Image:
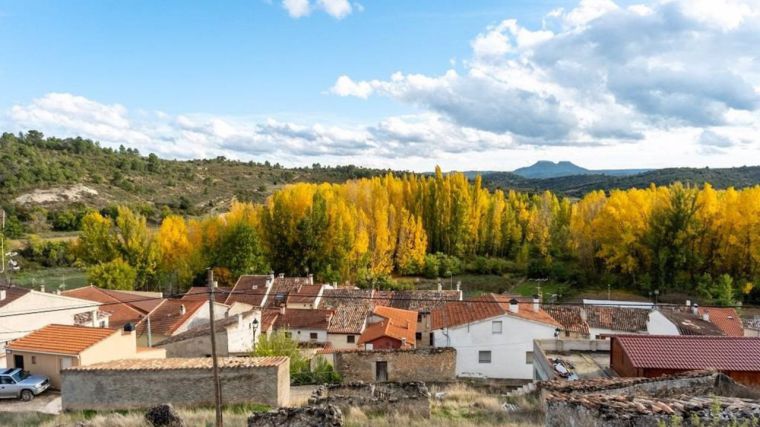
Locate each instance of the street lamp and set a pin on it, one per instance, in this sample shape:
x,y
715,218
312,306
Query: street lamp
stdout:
x,y
255,326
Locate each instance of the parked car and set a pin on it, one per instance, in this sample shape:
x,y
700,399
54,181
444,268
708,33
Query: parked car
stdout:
x,y
16,383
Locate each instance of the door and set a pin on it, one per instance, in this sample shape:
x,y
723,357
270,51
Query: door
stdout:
x,y
381,371
7,387
18,361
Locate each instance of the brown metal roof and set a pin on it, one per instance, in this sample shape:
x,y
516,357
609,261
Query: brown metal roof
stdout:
x,y
691,352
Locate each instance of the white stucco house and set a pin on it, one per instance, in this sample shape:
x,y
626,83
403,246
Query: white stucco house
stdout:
x,y
26,310
302,325
493,335
235,336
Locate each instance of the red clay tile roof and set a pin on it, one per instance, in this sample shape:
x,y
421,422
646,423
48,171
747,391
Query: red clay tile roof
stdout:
x,y
167,317
349,318
12,293
688,323
302,318
61,339
397,324
306,294
268,317
569,317
200,293
463,312
691,352
485,307
282,287
120,314
249,289
526,311
617,318
725,318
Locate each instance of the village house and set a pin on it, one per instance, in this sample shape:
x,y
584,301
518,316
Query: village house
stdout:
x,y
235,336
56,347
655,355
305,326
389,328
493,335
270,291
680,320
155,318
26,310
597,321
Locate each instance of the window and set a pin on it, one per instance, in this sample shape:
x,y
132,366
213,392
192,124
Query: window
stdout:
x,y
350,339
418,336
528,357
484,357
34,360
432,342
312,335
496,327
288,334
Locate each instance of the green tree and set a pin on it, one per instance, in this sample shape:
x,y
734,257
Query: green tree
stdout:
x,y
279,344
115,274
239,250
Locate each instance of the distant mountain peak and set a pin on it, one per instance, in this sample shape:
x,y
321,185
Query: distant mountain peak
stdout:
x,y
550,169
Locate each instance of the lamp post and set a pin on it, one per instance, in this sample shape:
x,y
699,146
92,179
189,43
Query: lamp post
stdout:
x,y
255,325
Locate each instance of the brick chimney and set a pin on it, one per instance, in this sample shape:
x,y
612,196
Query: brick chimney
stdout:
x,y
514,305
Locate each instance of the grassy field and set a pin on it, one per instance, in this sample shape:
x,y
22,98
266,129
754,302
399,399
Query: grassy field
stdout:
x,y
52,278
461,406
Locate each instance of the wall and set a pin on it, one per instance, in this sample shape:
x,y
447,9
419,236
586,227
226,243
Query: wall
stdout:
x,y
544,370
197,346
240,335
130,389
508,349
426,365
33,301
45,364
660,325
302,335
338,341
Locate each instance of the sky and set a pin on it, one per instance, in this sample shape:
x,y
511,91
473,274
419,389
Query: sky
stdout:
x,y
403,84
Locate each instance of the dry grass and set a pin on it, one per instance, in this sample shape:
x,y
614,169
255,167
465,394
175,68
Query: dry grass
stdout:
x,y
192,417
461,406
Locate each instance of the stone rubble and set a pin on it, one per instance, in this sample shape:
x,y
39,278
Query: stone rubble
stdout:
x,y
327,416
164,416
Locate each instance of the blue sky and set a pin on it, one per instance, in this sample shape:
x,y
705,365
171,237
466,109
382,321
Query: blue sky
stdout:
x,y
392,83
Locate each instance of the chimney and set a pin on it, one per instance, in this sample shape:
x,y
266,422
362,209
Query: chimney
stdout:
x,y
94,318
57,291
514,305
440,286
688,303
42,288
182,310
695,309
281,275
706,316
3,294
536,303
282,310
311,278
459,285
584,315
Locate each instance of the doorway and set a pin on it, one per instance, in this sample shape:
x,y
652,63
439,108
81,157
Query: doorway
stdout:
x,y
381,371
18,361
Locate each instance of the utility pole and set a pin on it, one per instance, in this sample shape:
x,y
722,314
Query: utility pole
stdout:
x,y
215,366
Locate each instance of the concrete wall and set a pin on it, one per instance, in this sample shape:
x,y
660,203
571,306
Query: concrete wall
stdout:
x,y
130,389
197,346
339,341
660,325
508,349
426,365
119,345
34,301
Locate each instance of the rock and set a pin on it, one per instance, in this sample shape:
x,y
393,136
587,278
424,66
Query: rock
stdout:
x,y
328,416
164,416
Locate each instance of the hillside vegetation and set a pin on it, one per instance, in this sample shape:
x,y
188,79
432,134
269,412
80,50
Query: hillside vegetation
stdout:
x,y
49,182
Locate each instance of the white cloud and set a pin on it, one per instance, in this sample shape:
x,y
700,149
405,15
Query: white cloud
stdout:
x,y
597,75
297,8
338,9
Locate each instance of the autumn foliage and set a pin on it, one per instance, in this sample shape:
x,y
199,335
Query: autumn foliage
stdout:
x,y
658,237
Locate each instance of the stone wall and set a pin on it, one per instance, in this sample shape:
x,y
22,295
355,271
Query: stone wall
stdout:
x,y
129,389
424,364
404,398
